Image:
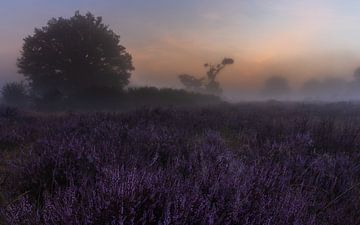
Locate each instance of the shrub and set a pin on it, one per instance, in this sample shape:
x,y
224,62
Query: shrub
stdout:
x,y
15,94
245,164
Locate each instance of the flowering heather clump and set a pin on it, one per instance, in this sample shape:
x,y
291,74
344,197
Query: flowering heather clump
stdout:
x,y
252,164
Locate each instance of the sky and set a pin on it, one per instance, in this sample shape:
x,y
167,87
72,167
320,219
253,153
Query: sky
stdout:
x,y
296,39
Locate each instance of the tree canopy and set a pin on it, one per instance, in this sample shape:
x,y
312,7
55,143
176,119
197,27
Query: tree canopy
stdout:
x,y
72,54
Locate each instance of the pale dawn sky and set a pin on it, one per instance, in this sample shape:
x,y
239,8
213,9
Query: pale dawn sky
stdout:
x,y
297,39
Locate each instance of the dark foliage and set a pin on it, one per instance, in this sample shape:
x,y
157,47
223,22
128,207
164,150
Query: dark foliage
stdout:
x,y
73,54
112,98
108,99
96,98
50,100
15,94
191,83
151,96
269,163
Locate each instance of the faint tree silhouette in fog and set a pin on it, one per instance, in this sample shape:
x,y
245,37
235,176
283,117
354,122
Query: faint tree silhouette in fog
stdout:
x,y
357,74
213,70
208,84
15,94
276,86
334,84
330,88
213,87
334,88
191,83
72,54
355,84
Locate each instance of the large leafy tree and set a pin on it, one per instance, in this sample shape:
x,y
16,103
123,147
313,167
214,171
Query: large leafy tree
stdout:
x,y
73,54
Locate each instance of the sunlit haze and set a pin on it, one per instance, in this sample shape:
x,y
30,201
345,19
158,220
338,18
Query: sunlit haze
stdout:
x,y
296,39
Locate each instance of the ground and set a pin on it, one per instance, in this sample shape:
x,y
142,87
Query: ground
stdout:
x,y
250,163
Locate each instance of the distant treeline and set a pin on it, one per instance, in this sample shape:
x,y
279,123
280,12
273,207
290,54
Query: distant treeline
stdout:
x,y
328,89
105,98
114,99
78,63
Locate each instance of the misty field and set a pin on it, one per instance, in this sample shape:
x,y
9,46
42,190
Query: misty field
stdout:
x,y
255,163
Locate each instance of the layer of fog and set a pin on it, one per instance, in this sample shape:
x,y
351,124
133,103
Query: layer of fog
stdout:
x,y
277,87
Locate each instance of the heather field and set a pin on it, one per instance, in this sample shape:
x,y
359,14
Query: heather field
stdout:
x,y
248,164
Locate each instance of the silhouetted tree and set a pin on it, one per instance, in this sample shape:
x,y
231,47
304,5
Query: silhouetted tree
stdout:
x,y
209,84
73,54
15,94
354,85
190,82
213,70
213,87
276,86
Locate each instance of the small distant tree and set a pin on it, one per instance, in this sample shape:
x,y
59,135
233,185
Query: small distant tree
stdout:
x,y
213,70
69,55
357,74
15,94
213,87
312,88
208,83
190,82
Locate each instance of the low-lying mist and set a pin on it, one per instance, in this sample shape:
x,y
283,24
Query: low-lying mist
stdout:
x,y
278,88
